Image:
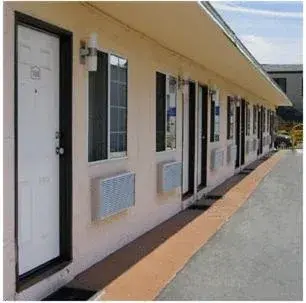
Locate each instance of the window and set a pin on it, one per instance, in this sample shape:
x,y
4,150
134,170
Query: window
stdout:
x,y
166,94
254,119
118,106
230,117
282,83
264,127
214,117
248,120
107,108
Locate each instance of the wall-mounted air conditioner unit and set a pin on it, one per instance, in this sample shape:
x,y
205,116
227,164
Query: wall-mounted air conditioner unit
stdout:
x,y
169,176
254,144
231,153
112,195
217,156
269,139
247,147
266,140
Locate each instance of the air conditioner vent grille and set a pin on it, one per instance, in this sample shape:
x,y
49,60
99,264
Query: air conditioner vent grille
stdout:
x,y
114,194
170,176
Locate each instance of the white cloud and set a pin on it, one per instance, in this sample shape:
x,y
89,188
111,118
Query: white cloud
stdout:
x,y
235,8
275,50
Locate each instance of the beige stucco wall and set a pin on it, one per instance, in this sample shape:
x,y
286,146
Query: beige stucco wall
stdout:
x,y
93,241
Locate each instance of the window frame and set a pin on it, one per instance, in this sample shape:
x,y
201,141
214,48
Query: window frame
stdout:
x,y
111,156
230,115
248,119
264,119
213,115
123,154
255,117
269,120
167,76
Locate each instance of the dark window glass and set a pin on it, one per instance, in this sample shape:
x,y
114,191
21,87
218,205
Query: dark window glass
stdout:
x,y
254,119
214,116
212,121
263,119
248,120
160,111
228,117
98,110
282,83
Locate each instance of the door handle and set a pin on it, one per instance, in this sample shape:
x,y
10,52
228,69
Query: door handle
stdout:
x,y
59,151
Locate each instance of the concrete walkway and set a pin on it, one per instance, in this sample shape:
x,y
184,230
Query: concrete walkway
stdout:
x,y
257,255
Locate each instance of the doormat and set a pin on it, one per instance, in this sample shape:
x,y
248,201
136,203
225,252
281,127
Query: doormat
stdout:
x,y
244,172
213,197
199,207
70,294
248,169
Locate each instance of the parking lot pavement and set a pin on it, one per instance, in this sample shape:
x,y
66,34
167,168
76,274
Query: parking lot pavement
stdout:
x,y
257,254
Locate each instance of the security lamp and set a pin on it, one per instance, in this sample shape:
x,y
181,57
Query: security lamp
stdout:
x,y
88,53
237,101
172,81
181,82
213,89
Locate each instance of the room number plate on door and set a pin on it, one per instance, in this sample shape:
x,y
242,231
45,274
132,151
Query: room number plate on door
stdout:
x,y
35,72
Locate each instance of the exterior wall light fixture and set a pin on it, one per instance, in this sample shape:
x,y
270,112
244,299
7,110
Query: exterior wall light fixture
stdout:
x,y
182,82
88,53
212,89
237,99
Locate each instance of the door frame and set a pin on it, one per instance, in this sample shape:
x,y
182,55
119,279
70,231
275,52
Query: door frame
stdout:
x,y
238,134
271,128
191,131
65,162
258,129
203,126
243,131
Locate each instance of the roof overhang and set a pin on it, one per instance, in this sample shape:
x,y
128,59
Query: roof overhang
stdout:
x,y
194,30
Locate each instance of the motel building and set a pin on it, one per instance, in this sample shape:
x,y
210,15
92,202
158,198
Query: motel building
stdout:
x,y
117,116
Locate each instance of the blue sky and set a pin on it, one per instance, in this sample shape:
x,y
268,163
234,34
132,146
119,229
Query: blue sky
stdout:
x,y
271,30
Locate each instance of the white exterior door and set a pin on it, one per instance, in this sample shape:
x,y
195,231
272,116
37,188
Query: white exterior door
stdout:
x,y
38,163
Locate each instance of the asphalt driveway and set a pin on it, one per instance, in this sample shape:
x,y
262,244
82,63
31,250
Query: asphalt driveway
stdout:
x,y
257,255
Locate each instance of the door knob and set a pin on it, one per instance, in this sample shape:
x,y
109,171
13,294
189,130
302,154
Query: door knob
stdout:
x,y
59,150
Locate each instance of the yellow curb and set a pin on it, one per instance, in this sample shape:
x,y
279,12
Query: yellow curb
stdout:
x,y
145,280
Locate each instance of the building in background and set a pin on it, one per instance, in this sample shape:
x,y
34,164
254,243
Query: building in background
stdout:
x,y
289,78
